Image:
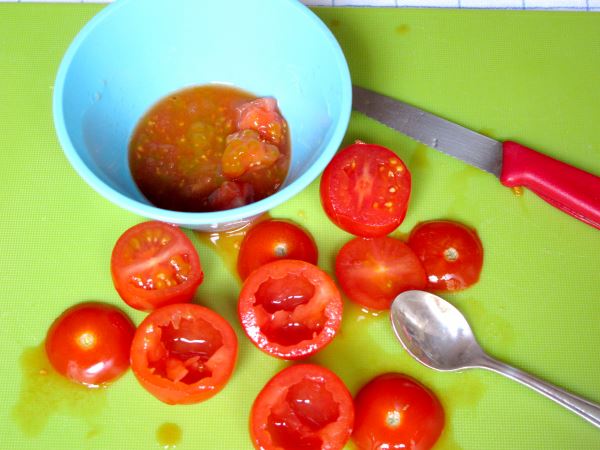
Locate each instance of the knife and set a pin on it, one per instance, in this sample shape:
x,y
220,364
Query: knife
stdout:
x,y
569,189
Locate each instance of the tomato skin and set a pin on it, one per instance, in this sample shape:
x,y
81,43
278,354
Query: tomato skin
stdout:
x,y
89,343
365,190
312,405
290,309
373,271
160,349
451,253
394,411
145,253
271,240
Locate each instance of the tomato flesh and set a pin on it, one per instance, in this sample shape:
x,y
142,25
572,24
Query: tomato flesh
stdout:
x,y
365,190
183,353
89,343
262,116
271,240
451,253
373,271
154,264
246,152
303,407
394,411
290,308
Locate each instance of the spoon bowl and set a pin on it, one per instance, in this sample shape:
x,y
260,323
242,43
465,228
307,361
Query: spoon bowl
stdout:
x,y
436,334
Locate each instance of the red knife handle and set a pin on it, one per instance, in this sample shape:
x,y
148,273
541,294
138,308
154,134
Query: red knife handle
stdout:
x,y
567,188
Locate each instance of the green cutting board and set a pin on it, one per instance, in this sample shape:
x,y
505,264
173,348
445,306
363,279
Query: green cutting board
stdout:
x,y
528,76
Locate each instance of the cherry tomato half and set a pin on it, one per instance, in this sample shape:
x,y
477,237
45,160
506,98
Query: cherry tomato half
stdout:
x,y
303,407
395,411
290,309
155,264
373,271
451,253
365,190
271,240
183,353
89,343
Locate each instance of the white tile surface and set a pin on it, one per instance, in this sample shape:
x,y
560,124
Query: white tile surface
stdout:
x,y
589,5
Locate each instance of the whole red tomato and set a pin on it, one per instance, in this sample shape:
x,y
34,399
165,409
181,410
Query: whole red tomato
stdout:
x,y
89,343
271,240
451,253
394,411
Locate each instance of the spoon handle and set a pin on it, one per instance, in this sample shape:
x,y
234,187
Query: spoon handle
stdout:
x,y
588,410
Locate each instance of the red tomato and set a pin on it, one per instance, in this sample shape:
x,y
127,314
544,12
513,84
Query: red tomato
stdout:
x,y
303,407
231,194
451,253
373,271
155,264
183,353
271,240
365,190
262,115
89,343
290,309
395,411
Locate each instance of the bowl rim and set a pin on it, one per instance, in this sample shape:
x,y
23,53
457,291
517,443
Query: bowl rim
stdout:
x,y
201,218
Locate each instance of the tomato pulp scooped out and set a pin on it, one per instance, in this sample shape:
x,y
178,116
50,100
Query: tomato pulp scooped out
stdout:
x,y
302,407
290,309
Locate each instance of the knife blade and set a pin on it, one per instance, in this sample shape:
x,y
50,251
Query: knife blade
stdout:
x,y
565,187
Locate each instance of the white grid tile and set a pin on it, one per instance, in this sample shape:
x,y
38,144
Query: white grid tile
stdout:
x,y
584,5
512,4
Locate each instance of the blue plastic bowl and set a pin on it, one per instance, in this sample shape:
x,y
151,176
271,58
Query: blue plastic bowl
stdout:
x,y
135,52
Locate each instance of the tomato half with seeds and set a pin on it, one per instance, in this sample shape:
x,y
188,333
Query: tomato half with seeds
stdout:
x,y
89,343
373,271
290,309
271,240
451,253
365,190
396,411
155,264
303,407
183,353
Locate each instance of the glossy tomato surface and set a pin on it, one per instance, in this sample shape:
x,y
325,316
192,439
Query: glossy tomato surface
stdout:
x,y
290,308
394,411
365,190
183,353
451,253
373,271
89,343
303,407
155,264
271,240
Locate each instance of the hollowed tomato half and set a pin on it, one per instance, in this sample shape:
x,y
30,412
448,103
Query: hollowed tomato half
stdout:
x,y
303,407
183,353
290,308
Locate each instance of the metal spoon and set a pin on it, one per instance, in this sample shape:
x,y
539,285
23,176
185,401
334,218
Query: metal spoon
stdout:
x,y
437,335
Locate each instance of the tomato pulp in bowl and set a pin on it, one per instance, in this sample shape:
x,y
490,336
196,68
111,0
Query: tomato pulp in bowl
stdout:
x,y
118,66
